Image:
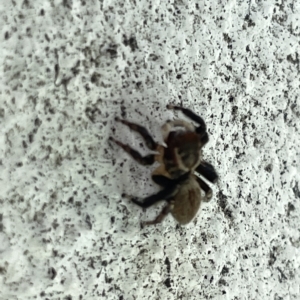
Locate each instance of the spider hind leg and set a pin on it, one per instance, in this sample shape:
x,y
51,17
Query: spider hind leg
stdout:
x,y
169,190
162,215
164,194
162,180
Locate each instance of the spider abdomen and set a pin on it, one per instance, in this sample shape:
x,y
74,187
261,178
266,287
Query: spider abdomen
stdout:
x,y
187,201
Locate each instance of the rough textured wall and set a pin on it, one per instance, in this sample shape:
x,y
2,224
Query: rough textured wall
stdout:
x,y
68,68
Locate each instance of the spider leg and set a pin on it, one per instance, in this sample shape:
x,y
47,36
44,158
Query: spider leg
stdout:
x,y
164,194
205,188
165,181
201,130
165,211
151,144
143,160
203,136
162,180
208,171
169,190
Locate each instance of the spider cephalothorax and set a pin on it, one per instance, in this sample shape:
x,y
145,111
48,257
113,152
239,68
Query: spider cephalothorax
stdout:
x,y
178,161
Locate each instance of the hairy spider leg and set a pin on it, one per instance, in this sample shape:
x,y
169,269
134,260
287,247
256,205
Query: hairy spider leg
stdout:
x,y
205,188
151,144
201,130
143,160
208,171
164,212
162,180
165,194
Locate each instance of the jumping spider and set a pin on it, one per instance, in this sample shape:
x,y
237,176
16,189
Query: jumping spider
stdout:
x,y
180,187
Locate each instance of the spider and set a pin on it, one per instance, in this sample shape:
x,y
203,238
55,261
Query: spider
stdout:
x,y
178,161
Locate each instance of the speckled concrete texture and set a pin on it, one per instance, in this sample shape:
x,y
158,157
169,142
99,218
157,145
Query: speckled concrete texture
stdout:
x,y
68,68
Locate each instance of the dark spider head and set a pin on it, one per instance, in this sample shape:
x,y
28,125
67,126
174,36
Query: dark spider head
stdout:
x,y
182,152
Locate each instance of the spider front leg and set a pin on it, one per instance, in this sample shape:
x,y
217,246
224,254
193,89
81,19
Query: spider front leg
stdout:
x,y
151,144
208,171
201,130
143,160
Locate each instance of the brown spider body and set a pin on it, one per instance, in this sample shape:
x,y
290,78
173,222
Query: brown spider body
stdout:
x,y
186,202
182,154
178,161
